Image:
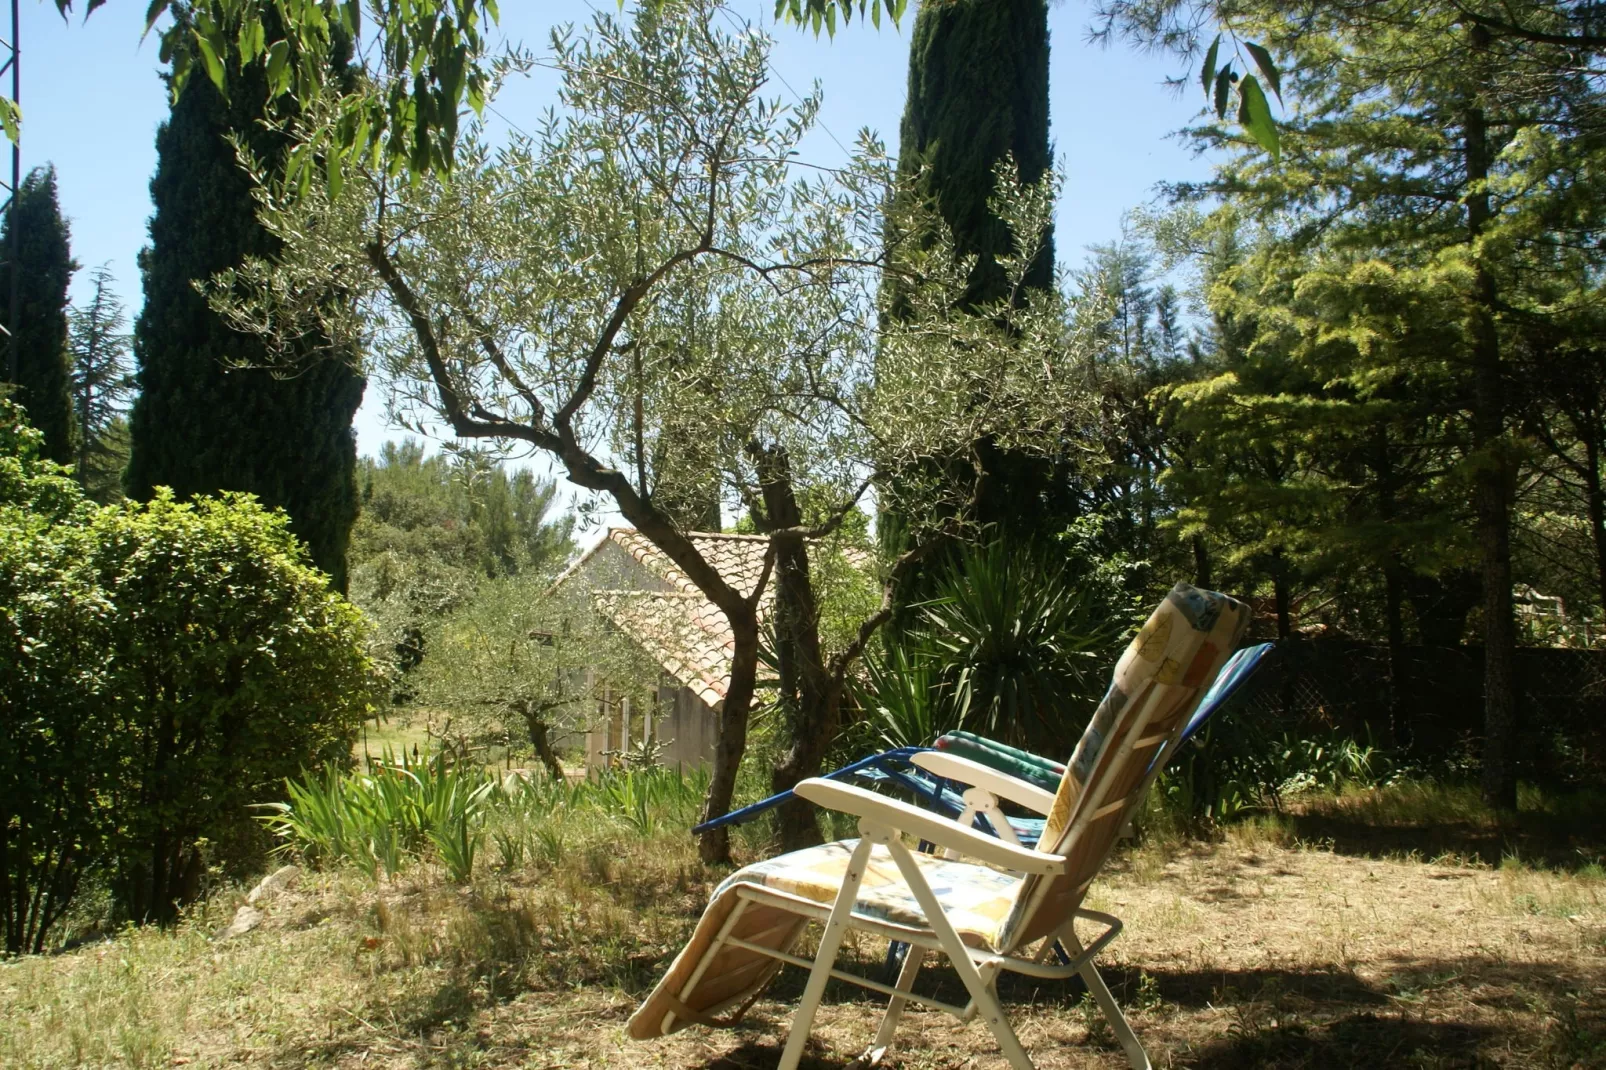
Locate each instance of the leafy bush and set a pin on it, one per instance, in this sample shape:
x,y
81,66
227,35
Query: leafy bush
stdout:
x,y
1242,761
53,813
1023,648
231,666
164,665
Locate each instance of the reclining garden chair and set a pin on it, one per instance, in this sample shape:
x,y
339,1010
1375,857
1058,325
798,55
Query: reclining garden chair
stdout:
x,y
902,769
990,905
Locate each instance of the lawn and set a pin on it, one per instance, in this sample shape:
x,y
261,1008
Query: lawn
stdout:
x,y
1257,947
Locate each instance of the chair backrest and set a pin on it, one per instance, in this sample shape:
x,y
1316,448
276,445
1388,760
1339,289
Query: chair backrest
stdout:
x,y
1156,686
1237,670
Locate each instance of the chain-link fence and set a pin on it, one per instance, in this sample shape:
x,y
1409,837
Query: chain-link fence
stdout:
x,y
1428,702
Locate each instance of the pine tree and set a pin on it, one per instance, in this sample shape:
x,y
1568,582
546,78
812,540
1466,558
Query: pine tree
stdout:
x,y
102,381
37,348
211,414
1435,211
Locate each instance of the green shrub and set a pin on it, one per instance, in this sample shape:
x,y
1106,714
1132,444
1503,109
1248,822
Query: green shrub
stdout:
x,y
53,813
232,667
162,666
1243,760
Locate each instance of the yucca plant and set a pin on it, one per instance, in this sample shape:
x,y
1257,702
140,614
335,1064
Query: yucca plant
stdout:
x,y
1021,648
898,697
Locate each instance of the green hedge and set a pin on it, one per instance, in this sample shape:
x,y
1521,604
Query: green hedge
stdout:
x,y
162,666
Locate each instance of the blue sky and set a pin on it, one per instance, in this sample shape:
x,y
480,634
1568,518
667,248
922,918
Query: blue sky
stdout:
x,y
92,100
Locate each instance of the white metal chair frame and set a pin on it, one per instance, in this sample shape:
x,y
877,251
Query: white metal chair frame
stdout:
x,y
884,821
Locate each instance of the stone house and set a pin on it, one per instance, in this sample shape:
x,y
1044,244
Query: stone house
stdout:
x,y
642,594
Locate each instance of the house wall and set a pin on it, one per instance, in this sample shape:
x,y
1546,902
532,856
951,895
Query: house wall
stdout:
x,y
687,727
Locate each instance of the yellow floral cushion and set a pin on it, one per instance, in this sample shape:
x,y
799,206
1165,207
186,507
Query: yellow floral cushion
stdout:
x,y
975,898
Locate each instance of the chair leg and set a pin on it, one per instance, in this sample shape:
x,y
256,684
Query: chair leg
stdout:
x,y
836,928
1135,1055
980,989
992,1012
913,958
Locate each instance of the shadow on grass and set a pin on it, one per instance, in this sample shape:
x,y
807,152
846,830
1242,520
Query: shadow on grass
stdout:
x,y
1273,1018
761,1054
1563,842
1355,1040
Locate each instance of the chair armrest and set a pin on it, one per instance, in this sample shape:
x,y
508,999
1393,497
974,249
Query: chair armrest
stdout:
x,y
987,778
928,826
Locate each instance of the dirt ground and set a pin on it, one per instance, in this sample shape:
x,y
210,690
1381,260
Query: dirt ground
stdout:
x,y
1233,957
1247,952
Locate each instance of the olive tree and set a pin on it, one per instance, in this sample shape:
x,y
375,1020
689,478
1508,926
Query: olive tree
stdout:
x,y
651,287
523,657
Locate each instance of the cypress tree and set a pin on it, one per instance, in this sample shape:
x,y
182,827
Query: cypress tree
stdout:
x,y
978,95
101,383
211,416
38,341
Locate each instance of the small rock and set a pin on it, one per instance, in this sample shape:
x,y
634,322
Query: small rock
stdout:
x,y
273,884
245,919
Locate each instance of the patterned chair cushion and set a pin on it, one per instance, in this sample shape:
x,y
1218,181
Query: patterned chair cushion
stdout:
x,y
976,898
1157,683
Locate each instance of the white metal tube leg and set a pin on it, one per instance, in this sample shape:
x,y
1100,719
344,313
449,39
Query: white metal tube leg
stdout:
x,y
836,927
1135,1055
980,990
912,960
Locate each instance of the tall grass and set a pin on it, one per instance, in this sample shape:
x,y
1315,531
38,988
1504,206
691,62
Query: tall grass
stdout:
x,y
402,812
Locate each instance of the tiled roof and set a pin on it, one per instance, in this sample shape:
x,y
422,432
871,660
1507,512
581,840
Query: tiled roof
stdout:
x,y
685,633
739,559
680,629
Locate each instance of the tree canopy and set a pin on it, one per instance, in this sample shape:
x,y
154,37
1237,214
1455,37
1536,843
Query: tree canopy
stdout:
x,y
728,308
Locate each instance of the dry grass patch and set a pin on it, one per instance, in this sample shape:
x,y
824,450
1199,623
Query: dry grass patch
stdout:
x,y
1249,952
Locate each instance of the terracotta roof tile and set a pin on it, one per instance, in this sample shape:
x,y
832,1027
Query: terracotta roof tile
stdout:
x,y
675,630
684,632
737,558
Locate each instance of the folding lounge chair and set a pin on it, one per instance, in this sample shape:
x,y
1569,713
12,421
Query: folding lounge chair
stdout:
x,y
992,906
899,768
1028,831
